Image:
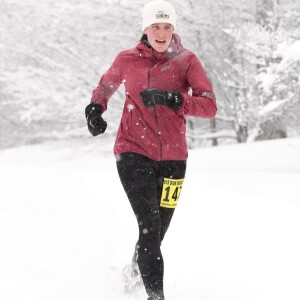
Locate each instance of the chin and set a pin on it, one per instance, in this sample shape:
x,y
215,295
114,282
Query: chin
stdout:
x,y
159,49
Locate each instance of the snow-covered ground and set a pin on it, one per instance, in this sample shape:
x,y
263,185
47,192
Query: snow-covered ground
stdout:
x,y
66,227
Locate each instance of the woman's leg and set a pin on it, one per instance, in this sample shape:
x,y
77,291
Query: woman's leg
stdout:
x,y
172,170
138,176
143,179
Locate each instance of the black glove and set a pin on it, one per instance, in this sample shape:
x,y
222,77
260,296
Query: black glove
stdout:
x,y
95,122
153,97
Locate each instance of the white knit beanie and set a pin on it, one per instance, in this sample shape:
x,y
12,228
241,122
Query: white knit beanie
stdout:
x,y
158,11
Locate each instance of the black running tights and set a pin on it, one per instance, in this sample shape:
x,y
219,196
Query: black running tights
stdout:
x,y
142,179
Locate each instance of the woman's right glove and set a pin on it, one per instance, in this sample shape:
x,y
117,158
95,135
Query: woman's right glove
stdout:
x,y
172,99
95,122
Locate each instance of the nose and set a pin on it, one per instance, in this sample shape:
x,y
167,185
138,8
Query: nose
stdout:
x,y
160,32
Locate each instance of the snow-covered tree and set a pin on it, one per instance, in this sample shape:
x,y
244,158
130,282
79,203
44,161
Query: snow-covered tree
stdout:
x,y
54,52
240,44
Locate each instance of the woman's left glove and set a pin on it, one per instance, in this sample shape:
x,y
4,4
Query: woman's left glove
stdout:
x,y
95,122
153,97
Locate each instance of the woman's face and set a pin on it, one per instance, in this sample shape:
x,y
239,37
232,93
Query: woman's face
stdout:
x,y
159,36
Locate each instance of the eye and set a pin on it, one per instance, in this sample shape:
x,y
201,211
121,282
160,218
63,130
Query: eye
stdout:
x,y
154,26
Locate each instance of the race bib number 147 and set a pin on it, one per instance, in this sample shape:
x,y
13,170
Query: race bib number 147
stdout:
x,y
170,192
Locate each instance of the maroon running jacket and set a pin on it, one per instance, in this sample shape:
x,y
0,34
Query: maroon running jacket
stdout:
x,y
157,132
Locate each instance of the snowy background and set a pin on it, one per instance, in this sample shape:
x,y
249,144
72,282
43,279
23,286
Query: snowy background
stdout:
x,y
66,227
54,52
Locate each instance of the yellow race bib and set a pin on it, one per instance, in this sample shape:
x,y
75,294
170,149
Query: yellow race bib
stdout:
x,y
170,192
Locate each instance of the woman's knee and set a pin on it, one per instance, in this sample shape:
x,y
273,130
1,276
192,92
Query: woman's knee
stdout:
x,y
149,232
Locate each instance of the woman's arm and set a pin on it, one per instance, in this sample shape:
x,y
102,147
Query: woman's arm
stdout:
x,y
108,84
202,102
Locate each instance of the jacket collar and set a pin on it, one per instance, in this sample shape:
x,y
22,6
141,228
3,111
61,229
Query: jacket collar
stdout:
x,y
174,49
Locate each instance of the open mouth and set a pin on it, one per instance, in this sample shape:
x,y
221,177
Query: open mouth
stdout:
x,y
160,41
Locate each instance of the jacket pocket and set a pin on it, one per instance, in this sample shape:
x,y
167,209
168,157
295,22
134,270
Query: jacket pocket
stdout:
x,y
137,129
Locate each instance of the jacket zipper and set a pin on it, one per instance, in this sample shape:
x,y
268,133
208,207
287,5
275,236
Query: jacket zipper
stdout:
x,y
156,120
